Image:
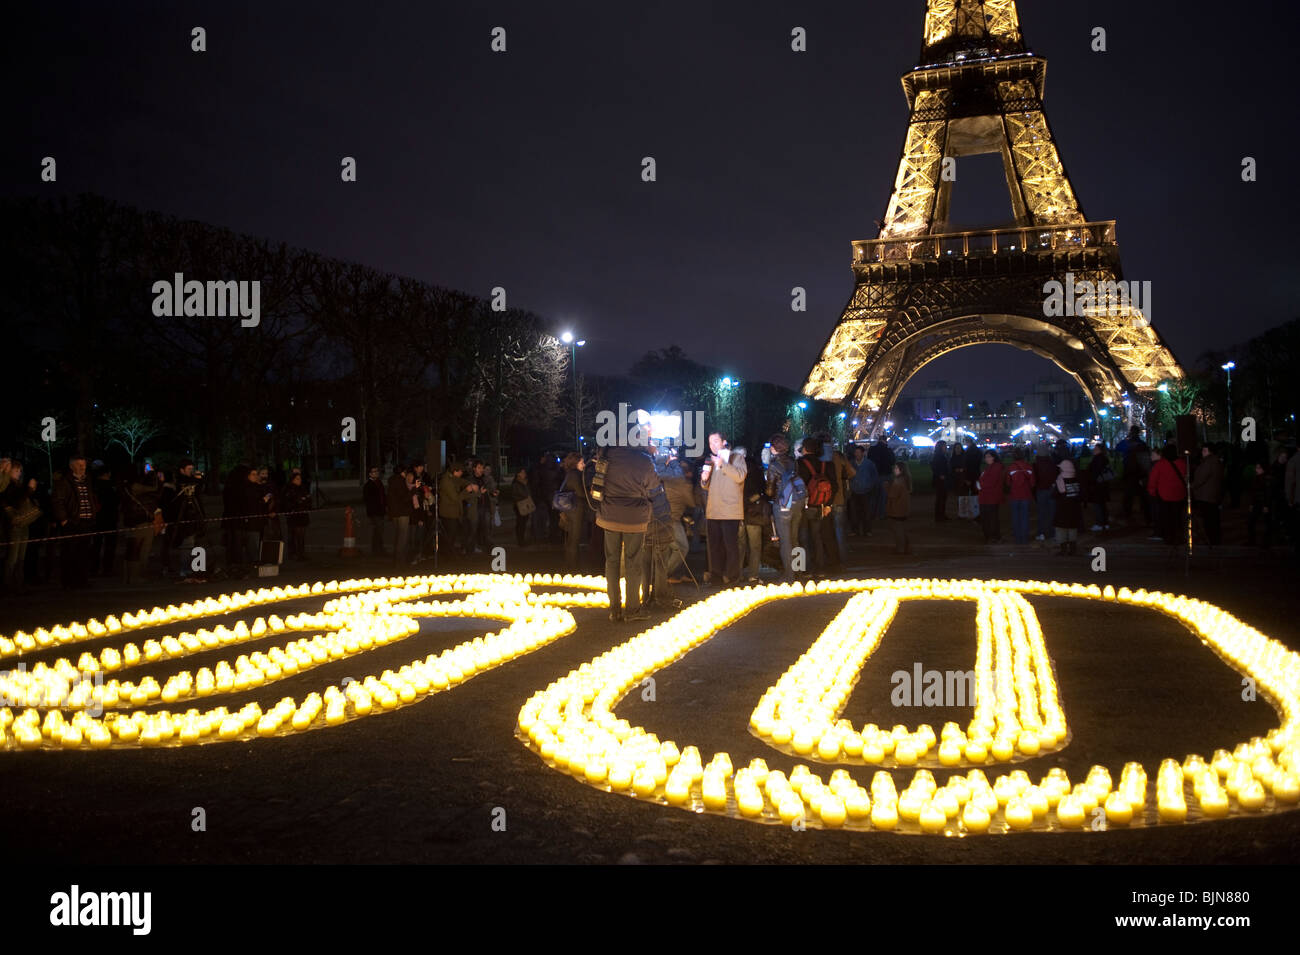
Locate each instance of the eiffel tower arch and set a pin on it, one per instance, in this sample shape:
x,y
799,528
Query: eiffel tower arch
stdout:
x,y
922,290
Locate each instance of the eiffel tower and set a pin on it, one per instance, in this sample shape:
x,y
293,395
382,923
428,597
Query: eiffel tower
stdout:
x,y
922,291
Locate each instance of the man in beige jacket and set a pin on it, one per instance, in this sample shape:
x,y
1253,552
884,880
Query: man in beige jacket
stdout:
x,y
724,510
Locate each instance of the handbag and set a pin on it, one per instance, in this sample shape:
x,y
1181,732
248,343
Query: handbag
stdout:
x,y
26,515
968,506
564,501
525,507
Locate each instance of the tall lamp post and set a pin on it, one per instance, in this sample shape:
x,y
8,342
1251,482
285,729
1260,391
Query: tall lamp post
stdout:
x,y
728,384
1228,366
574,345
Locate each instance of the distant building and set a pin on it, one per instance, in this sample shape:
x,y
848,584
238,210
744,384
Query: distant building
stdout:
x,y
1056,398
935,401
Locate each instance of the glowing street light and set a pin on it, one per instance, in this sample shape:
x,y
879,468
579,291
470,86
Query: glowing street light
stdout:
x,y
568,338
1228,366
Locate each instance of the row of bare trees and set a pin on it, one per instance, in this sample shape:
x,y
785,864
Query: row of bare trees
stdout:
x,y
407,360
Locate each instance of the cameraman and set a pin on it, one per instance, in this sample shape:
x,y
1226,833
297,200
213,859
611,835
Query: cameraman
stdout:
x,y
183,514
624,515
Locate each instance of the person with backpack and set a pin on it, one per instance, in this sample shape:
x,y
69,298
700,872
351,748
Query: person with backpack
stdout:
x,y
818,478
787,492
1020,478
990,497
724,510
1068,513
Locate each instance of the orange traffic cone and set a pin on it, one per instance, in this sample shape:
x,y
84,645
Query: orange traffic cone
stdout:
x,y
349,548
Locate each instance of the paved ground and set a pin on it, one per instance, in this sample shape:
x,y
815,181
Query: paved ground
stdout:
x,y
420,784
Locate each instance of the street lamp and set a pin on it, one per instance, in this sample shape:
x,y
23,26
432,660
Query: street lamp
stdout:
x,y
1228,366
728,384
574,344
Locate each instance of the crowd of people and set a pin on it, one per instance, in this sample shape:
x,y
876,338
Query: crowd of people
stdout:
x,y
640,512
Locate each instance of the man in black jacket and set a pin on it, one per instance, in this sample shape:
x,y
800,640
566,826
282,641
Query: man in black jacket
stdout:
x,y
74,504
624,514
376,510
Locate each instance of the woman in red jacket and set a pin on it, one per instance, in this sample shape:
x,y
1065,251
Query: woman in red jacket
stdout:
x,y
990,485
1167,484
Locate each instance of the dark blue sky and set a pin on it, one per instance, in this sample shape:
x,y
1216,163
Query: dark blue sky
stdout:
x,y
522,169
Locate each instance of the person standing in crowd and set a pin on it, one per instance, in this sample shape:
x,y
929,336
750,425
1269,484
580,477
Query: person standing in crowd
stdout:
x,y
492,494
658,554
400,509
141,499
1291,493
724,510
758,517
477,508
818,478
1045,473
864,487
1280,506
74,504
451,509
20,512
376,498
184,515
842,472
520,496
104,547
1261,499
624,515
1020,478
1136,459
940,474
899,506
1166,485
957,470
990,497
787,492
883,459
297,504
678,478
578,518
1068,512
1207,492
971,464
1099,477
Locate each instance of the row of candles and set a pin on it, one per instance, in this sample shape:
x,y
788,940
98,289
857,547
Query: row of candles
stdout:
x,y
372,613
571,723
1016,706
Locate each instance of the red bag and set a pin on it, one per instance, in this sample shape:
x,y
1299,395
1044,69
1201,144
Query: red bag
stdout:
x,y
820,491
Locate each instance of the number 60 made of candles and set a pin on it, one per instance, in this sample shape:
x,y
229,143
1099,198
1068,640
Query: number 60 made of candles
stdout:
x,y
572,726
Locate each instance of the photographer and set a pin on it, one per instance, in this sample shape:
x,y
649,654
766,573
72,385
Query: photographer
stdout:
x,y
629,481
183,513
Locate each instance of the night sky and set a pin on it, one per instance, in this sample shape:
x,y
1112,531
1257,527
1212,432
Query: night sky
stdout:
x,y
522,169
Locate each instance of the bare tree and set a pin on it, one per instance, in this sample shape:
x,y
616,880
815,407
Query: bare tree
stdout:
x,y
130,428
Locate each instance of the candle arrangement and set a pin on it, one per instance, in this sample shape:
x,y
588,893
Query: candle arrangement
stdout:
x,y
571,724
364,615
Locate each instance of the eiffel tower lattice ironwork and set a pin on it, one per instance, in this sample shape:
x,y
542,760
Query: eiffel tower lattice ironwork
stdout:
x,y
922,291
